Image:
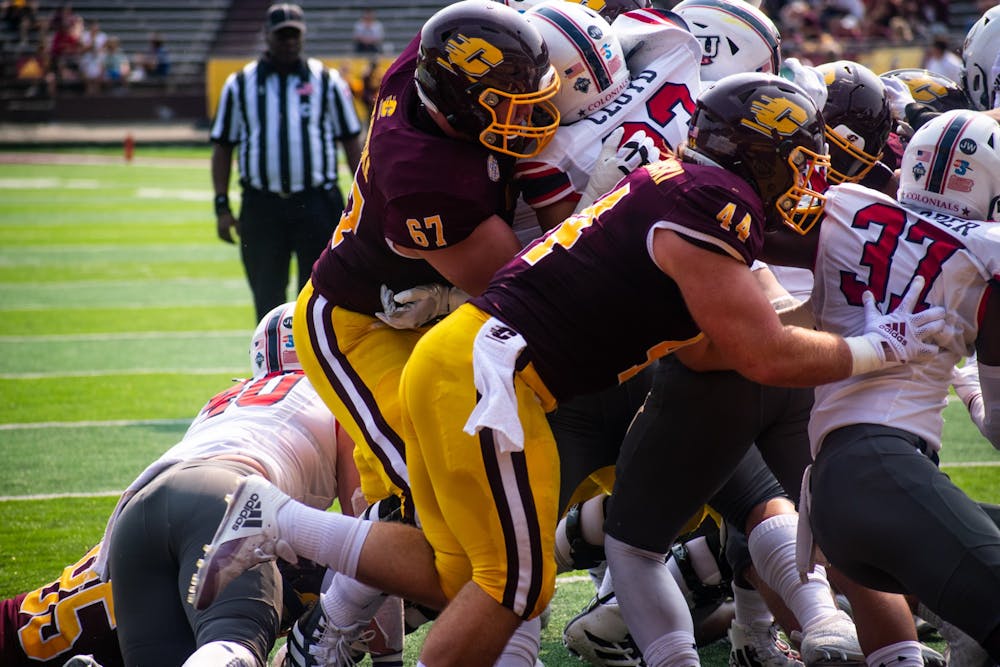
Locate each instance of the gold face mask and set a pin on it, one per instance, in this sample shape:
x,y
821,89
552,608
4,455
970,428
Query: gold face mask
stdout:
x,y
522,124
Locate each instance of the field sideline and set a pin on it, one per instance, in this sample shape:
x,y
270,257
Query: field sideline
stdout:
x,y
121,313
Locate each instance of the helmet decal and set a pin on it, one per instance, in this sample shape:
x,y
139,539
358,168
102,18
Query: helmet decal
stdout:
x,y
474,57
951,165
779,115
272,346
596,66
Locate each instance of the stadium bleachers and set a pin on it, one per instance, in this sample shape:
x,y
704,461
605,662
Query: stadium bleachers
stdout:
x,y
196,30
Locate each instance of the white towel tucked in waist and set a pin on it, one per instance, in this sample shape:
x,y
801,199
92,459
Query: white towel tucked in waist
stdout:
x,y
494,355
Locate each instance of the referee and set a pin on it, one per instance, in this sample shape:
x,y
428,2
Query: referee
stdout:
x,y
284,112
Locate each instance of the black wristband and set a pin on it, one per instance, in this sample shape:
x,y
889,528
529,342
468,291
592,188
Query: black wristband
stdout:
x,y
221,203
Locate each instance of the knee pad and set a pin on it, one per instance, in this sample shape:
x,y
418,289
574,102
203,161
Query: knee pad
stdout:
x,y
573,552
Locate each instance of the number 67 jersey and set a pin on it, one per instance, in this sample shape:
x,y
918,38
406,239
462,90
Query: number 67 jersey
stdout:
x,y
869,242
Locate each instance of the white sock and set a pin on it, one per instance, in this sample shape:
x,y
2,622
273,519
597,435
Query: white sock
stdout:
x,y
523,647
772,548
751,607
675,649
218,653
349,602
607,584
328,538
900,654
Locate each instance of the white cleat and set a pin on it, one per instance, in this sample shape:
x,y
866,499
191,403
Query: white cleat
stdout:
x,y
598,635
758,645
832,641
247,535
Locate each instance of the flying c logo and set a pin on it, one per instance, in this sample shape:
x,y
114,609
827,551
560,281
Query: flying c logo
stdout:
x,y
775,114
473,57
927,90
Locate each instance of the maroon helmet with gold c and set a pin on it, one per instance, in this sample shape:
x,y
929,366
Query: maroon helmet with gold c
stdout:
x,y
487,71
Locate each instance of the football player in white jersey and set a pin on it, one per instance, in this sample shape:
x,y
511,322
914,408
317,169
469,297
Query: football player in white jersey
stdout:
x,y
272,424
879,508
652,103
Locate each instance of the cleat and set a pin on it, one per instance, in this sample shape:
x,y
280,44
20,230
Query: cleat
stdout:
x,y
599,636
759,645
313,642
961,650
832,641
247,535
932,658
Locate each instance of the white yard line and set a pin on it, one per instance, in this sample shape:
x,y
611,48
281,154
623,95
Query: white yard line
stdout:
x,y
121,371
135,335
111,422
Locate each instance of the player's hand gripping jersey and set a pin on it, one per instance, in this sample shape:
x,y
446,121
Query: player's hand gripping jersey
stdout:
x,y
869,242
570,284
415,189
658,102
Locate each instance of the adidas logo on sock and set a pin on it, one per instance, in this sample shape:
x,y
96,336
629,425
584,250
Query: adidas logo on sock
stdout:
x,y
250,515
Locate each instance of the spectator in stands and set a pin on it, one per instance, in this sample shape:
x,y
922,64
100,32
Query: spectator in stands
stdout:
x,y
368,33
20,16
117,68
92,69
291,200
370,80
154,64
67,47
940,59
93,35
32,70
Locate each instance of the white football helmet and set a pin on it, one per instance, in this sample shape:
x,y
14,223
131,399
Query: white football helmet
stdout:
x,y
952,165
981,61
522,5
735,37
272,348
585,52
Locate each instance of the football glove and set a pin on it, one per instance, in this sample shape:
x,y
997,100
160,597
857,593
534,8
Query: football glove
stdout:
x,y
897,337
899,95
615,163
808,78
418,306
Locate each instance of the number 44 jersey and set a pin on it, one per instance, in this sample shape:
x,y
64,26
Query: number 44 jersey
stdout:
x,y
869,242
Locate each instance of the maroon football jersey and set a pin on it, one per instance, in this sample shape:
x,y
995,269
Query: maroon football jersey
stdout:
x,y
415,188
72,615
588,298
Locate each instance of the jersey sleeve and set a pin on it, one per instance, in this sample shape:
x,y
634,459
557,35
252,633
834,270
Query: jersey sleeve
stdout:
x,y
718,216
227,126
346,123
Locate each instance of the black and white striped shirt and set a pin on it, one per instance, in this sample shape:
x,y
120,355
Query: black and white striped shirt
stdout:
x,y
285,124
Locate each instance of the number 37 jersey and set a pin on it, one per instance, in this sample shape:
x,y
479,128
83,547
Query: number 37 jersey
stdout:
x,y
868,242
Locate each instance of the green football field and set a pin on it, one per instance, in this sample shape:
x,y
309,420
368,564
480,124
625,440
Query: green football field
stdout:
x,y
120,315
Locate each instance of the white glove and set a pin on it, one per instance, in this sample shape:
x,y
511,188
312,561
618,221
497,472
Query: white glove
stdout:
x,y
897,337
615,163
965,380
417,306
808,78
899,95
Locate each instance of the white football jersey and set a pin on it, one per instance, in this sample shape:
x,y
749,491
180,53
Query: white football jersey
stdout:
x,y
277,421
659,100
869,242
